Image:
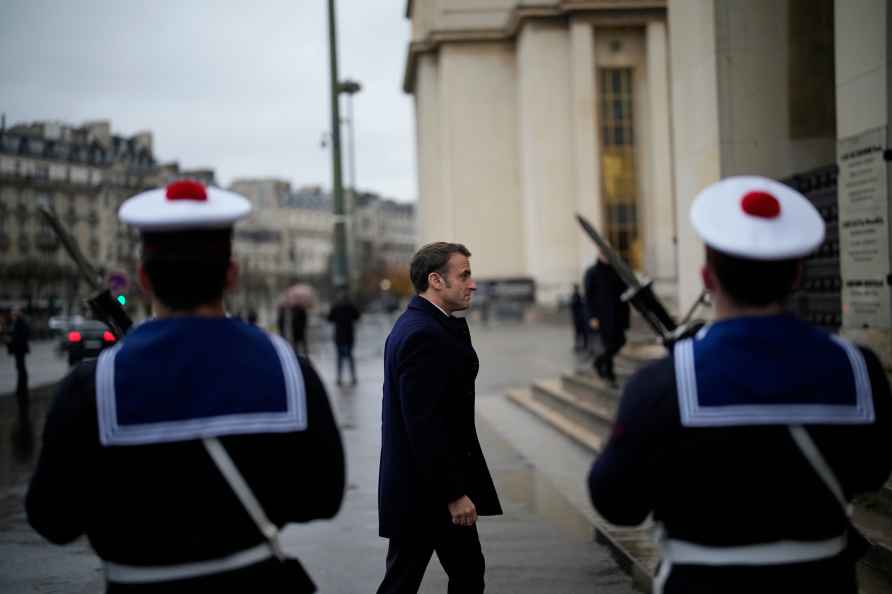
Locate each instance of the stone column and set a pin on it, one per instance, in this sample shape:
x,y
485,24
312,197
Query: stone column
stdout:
x,y
586,158
695,127
660,202
434,208
546,157
864,103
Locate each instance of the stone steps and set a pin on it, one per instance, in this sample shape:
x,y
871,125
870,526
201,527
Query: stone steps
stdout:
x,y
582,407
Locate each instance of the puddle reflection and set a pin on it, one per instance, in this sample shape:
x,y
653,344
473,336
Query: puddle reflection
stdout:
x,y
20,438
523,485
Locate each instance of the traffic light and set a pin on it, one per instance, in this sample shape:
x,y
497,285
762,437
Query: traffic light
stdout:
x,y
122,299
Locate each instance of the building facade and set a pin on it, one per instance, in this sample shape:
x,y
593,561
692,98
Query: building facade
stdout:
x,y
623,110
83,174
384,239
530,112
799,91
289,239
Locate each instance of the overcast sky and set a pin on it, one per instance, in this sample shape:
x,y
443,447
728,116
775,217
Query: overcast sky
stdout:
x,y
239,86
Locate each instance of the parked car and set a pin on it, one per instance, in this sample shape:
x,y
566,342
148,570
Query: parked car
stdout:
x,y
58,325
86,339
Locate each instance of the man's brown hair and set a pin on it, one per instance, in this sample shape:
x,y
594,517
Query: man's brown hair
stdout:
x,y
434,257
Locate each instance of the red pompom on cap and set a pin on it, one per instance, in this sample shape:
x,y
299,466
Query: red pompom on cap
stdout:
x,y
186,189
760,204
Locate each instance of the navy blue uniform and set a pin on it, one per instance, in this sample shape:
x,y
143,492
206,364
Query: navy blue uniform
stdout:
x,y
165,503
718,480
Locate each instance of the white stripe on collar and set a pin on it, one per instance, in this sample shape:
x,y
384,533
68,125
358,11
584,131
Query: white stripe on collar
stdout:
x,y
111,432
694,415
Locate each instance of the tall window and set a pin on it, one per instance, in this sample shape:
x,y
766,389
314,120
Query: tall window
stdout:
x,y
619,184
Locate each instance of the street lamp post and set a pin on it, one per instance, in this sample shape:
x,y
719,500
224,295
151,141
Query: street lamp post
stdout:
x,y
341,277
350,88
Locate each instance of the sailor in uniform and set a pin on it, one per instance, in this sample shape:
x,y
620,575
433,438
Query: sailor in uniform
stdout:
x,y
183,449
748,444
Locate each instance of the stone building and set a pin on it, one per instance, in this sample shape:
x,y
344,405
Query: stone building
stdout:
x,y
528,112
288,239
83,173
623,110
799,91
384,239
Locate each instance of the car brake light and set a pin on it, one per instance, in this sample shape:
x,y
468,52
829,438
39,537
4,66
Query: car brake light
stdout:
x,y
108,336
74,337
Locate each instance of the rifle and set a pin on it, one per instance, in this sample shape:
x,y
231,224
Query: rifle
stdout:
x,y
102,305
641,296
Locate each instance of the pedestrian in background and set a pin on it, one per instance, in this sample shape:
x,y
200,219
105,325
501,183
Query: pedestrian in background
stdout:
x,y
433,482
19,346
344,315
184,448
299,328
609,314
747,445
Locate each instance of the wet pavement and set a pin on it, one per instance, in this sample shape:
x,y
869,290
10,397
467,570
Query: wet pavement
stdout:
x,y
543,543
46,364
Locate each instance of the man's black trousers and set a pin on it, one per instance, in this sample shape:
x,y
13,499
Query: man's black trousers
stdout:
x,y
457,548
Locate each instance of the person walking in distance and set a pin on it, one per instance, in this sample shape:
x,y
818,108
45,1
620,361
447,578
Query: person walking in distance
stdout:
x,y
19,347
344,315
434,483
299,328
609,313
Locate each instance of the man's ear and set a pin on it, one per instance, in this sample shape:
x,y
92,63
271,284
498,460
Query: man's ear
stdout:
x,y
144,280
435,280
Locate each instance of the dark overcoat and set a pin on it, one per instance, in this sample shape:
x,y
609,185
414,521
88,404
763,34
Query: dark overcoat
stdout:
x,y
430,453
344,316
19,337
603,292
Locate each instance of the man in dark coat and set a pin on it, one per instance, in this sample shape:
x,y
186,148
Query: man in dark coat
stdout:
x,y
433,481
19,346
344,315
748,443
127,447
299,328
608,312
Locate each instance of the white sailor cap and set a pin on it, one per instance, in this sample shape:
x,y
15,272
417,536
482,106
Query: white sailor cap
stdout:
x,y
182,205
757,218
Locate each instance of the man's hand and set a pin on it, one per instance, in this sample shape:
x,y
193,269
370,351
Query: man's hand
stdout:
x,y
463,511
594,324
